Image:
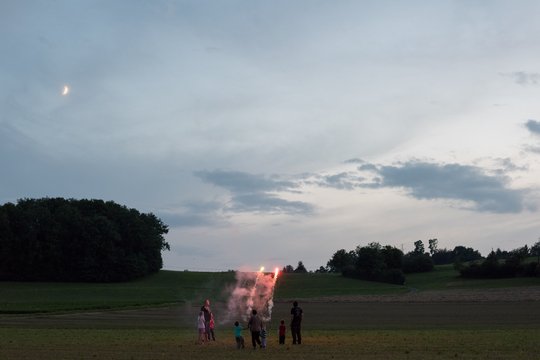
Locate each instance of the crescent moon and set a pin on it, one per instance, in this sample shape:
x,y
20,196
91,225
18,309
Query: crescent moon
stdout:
x,y
65,90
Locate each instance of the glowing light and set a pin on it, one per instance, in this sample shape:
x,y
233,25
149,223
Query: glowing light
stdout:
x,y
262,269
65,90
276,273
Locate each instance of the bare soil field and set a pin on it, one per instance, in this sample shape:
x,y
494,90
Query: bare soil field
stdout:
x,y
515,307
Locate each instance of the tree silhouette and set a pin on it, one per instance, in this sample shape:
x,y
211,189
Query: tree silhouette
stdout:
x,y
58,239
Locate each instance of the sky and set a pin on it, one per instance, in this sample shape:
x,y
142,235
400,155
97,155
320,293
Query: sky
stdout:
x,y
272,132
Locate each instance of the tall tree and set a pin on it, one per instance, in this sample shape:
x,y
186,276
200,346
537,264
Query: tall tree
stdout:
x,y
433,246
535,250
300,268
419,247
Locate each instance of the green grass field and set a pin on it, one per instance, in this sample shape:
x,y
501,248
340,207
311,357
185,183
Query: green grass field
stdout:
x,y
153,318
170,287
444,277
164,287
360,344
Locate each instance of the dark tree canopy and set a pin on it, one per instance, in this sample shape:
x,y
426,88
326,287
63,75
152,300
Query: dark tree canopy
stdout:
x,y
414,262
376,263
300,268
513,265
459,254
341,260
535,250
56,239
433,244
288,269
419,247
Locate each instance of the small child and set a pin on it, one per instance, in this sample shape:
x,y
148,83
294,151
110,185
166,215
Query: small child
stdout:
x,y
282,330
263,336
211,327
201,327
238,336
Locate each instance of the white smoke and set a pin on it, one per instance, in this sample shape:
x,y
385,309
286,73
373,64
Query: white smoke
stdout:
x,y
253,290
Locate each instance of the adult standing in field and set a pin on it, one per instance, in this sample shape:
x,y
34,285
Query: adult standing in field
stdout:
x,y
296,323
207,317
255,326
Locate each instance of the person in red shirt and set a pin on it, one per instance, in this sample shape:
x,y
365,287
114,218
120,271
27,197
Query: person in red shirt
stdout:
x,y
211,326
282,330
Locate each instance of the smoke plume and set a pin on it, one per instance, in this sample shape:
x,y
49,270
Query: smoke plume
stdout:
x,y
253,290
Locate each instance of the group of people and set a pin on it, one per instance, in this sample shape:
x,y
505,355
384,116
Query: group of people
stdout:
x,y
258,330
205,323
255,325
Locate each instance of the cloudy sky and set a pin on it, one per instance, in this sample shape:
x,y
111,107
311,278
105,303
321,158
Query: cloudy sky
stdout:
x,y
268,132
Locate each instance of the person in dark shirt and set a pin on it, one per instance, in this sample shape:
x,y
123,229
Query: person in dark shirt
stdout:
x,y
296,322
207,316
255,326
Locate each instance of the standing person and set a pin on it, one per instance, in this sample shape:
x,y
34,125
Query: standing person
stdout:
x,y
211,327
238,335
201,328
263,336
296,322
282,331
207,316
255,325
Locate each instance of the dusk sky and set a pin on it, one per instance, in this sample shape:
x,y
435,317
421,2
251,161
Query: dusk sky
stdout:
x,y
269,132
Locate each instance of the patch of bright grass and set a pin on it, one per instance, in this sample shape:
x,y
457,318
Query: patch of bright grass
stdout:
x,y
321,284
445,277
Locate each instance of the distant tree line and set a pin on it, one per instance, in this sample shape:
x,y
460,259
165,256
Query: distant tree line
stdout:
x,y
299,269
57,239
504,264
374,262
388,264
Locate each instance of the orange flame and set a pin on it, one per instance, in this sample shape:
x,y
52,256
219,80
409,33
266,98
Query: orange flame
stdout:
x,y
276,273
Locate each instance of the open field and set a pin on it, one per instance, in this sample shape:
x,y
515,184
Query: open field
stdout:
x,y
172,287
167,287
359,344
344,330
435,316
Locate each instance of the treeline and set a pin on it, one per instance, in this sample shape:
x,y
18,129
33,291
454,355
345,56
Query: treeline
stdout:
x,y
299,269
504,264
56,239
375,262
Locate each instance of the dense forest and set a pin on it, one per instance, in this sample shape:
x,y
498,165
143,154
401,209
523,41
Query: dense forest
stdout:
x,y
56,239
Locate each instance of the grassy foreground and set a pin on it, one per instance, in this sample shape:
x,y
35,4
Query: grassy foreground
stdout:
x,y
361,344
